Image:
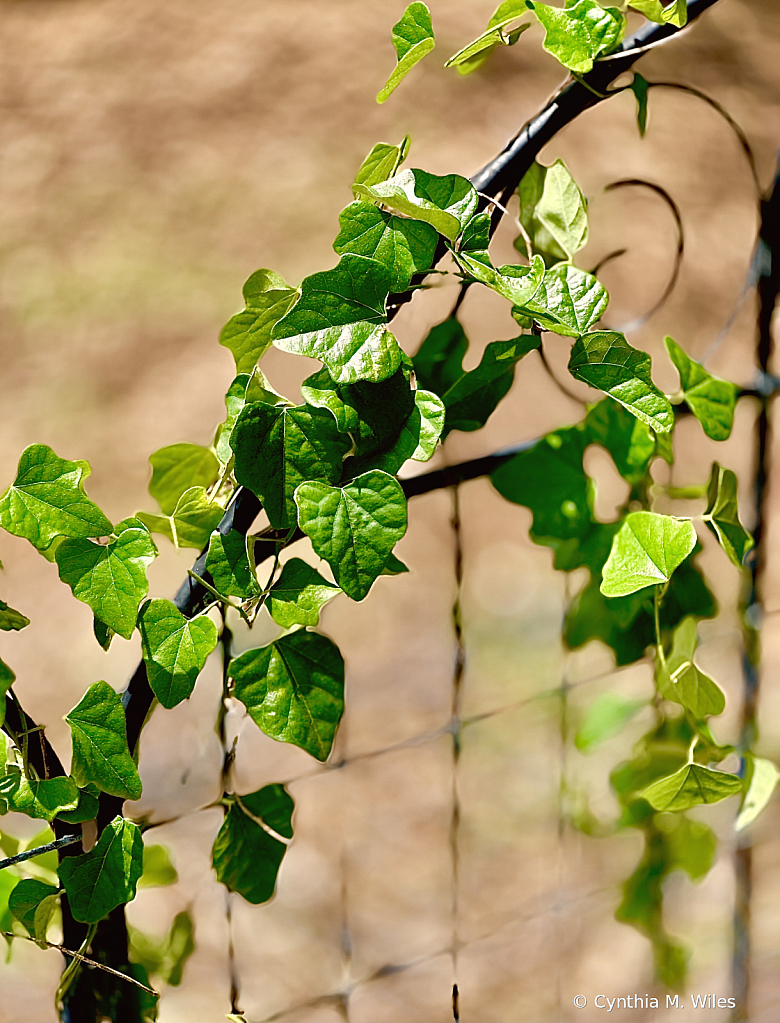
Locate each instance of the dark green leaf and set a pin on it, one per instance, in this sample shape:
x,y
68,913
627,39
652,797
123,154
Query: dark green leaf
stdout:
x,y
246,858
354,528
439,362
248,333
639,87
227,562
7,679
245,388
106,876
381,163
87,809
646,551
278,447
293,689
711,400
445,202
418,438
691,786
110,578
47,500
629,440
404,246
605,360
100,752
273,805
473,397
33,904
298,595
175,649
413,39
11,620
580,32
42,799
341,320
178,467
102,633
722,514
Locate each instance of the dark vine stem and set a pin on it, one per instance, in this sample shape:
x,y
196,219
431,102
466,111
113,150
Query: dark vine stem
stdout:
x,y
768,292
500,176
456,726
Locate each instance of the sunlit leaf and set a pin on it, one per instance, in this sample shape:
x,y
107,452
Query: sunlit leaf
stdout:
x,y
293,689
580,32
568,301
158,869
674,13
606,717
605,360
227,562
175,649
691,786
413,39
446,202
178,467
711,400
47,500
646,551
248,334
299,594
722,514
381,163
473,55
41,798
341,320
277,447
762,778
105,877
100,752
354,528
404,246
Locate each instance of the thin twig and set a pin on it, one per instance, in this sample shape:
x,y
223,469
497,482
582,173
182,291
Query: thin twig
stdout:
x,y
39,850
83,959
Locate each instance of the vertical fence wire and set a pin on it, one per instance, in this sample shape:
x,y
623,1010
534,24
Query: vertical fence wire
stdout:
x,y
456,725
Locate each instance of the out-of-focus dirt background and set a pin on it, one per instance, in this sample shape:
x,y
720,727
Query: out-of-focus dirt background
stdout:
x,y
151,157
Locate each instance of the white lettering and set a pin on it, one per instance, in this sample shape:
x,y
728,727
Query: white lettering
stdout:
x,y
673,1002
699,1001
598,1004
652,1004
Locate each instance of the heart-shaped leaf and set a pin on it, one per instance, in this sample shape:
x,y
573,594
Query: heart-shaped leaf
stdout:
x,y
248,334
722,514
298,595
691,786
645,551
175,649
413,39
106,876
100,752
711,400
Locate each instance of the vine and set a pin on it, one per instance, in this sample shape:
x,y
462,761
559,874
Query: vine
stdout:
x,y
326,471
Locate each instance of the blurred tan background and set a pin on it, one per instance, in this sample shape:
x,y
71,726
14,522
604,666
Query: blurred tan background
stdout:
x,y
151,157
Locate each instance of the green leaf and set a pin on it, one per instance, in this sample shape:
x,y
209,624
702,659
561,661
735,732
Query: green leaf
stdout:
x,y
406,247
690,846
559,208
246,858
227,562
568,301
418,438
33,903
158,871
10,619
606,717
762,778
413,39
100,752
273,805
87,809
7,679
550,480
579,33
381,163
244,388
110,578
474,395
691,786
675,13
722,514
193,521
106,876
473,55
354,528
394,566
438,364
630,442
646,551
683,682
298,595
605,360
102,633
167,958
277,447
445,202
374,414
47,500
639,86
341,320
519,284
711,400
41,798
293,689
178,467
175,649
248,334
